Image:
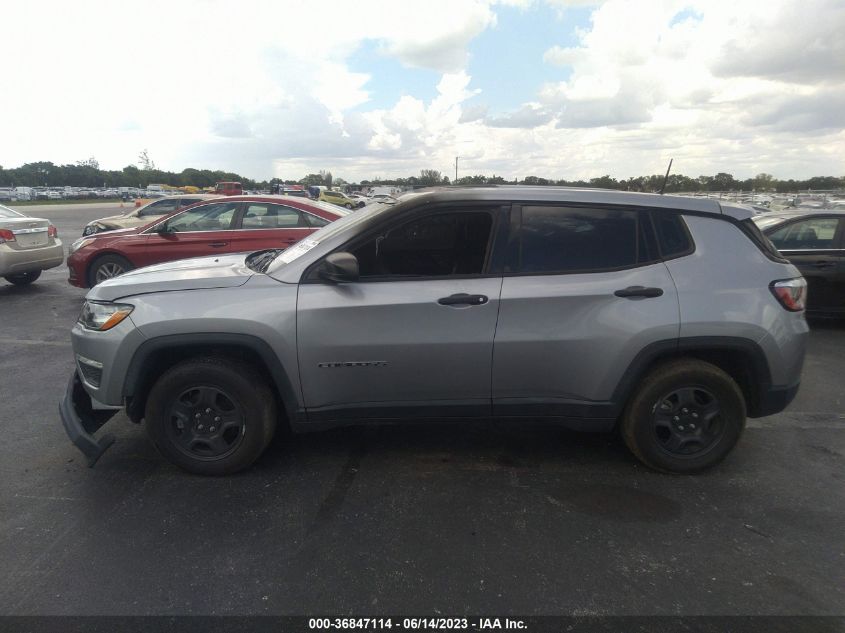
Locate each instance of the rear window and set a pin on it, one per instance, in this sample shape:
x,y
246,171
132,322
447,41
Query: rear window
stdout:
x,y
753,232
6,212
672,235
566,240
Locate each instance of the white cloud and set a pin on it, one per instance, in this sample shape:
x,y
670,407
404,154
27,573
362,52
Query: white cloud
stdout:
x,y
748,86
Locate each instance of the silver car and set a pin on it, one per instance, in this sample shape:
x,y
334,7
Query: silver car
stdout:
x,y
27,246
668,319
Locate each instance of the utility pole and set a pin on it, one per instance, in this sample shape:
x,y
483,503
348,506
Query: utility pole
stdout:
x,y
456,169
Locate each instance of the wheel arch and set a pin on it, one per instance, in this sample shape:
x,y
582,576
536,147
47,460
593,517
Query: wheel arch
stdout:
x,y
741,358
156,355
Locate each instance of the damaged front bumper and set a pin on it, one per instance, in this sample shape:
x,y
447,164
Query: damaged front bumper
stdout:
x,y
81,420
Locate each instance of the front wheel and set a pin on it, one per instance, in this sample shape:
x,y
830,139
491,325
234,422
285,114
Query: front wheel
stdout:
x,y
348,205
211,416
106,267
685,416
23,279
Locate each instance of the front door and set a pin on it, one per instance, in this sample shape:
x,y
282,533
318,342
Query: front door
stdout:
x,y
414,336
196,232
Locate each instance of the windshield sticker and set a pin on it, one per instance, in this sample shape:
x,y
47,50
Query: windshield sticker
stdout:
x,y
298,249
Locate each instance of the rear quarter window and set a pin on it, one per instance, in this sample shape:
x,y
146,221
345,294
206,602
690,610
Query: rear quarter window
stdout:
x,y
673,238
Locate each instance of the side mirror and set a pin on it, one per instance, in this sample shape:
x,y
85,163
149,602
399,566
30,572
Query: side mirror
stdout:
x,y
339,267
163,229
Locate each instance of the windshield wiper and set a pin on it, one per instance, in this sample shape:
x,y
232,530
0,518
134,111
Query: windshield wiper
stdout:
x,y
260,261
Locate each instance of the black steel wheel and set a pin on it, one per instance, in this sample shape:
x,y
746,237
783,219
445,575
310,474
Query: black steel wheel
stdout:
x,y
205,422
211,415
684,416
687,420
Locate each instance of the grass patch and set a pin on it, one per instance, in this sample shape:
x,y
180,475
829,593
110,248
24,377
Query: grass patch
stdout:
x,y
31,203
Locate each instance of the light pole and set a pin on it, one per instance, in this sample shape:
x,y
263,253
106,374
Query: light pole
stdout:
x,y
456,169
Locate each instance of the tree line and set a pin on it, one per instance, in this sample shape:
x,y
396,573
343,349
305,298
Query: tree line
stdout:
x,y
87,173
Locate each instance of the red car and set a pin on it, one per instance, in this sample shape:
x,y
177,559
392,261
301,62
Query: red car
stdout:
x,y
234,225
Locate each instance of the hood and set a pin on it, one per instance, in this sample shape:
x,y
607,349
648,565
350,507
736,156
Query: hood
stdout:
x,y
201,273
114,218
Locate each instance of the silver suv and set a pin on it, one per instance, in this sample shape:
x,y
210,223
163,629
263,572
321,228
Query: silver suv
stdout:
x,y
669,319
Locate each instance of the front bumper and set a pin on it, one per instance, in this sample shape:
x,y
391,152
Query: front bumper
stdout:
x,y
81,421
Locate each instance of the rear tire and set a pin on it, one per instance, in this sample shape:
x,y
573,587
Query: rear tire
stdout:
x,y
211,416
23,279
685,416
106,267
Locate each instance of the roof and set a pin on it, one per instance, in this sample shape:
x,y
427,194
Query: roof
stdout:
x,y
524,193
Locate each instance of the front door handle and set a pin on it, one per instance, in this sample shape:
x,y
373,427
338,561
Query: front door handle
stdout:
x,y
463,299
824,264
639,291
217,244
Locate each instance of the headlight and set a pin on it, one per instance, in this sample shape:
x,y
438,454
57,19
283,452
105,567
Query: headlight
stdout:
x,y
79,244
103,316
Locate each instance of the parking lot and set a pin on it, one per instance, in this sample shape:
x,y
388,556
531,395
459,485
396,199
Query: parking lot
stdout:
x,y
425,518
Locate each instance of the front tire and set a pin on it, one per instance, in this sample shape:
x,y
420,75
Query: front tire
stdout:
x,y
23,279
685,416
107,267
211,416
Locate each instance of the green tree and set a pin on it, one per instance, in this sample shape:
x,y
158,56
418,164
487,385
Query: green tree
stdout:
x,y
430,177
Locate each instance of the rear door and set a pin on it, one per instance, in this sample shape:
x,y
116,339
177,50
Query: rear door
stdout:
x,y
196,232
584,291
815,246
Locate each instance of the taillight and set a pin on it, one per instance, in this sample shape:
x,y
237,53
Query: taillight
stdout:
x,y
6,236
791,293
52,231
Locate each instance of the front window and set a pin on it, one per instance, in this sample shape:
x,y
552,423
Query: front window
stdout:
x,y
209,217
435,246
810,234
162,207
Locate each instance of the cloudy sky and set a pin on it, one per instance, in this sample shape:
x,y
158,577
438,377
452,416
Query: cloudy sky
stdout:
x,y
367,88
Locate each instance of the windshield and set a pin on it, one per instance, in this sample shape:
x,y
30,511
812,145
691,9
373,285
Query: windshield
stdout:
x,y
349,221
6,212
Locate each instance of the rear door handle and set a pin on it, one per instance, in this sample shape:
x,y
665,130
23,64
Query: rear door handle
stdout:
x,y
463,299
824,264
639,291
217,244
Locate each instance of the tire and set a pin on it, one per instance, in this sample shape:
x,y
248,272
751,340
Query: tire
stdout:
x,y
106,267
684,416
188,400
23,279
348,205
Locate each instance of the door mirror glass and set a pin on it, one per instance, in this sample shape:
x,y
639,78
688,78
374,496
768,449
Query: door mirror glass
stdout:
x,y
339,267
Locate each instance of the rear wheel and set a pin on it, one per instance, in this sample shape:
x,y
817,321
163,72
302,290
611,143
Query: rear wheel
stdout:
x,y
348,205
106,267
685,416
23,279
211,416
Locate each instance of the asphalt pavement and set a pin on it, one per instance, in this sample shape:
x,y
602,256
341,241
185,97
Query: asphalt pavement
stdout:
x,y
429,518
